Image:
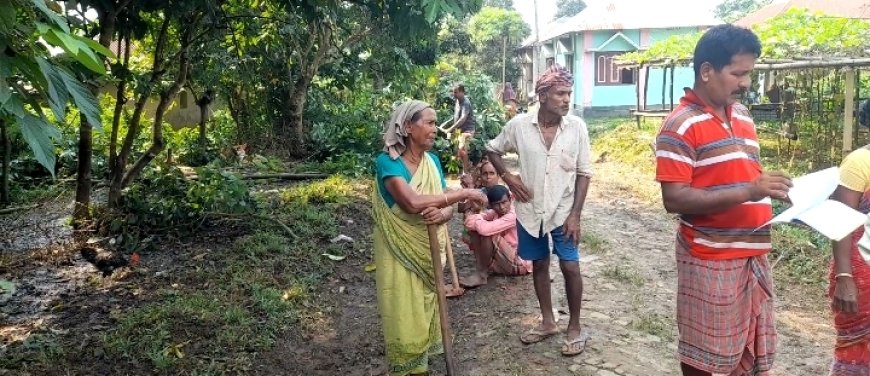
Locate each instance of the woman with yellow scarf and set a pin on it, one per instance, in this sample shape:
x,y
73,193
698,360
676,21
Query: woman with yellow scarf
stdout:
x,y
410,195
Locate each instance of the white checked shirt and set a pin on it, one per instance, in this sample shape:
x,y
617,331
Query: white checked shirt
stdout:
x,y
551,174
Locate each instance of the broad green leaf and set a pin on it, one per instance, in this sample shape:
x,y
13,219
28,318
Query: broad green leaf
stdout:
x,y
90,60
57,92
39,134
432,9
14,106
99,48
4,91
52,15
83,98
70,44
7,15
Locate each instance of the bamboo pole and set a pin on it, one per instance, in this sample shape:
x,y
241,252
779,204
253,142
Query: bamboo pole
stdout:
x,y
836,63
849,111
446,336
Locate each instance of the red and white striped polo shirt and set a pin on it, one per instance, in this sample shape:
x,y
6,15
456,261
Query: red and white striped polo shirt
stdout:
x,y
695,147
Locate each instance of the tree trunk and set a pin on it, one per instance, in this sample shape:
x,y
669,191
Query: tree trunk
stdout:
x,y
81,210
320,34
296,108
134,126
166,98
203,112
7,157
120,101
236,105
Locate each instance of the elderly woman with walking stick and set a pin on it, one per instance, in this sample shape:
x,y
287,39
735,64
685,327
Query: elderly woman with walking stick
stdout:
x,y
410,195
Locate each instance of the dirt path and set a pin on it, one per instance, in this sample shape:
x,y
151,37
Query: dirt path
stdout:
x,y
629,304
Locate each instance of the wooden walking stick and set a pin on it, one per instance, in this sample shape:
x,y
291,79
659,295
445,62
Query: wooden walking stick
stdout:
x,y
455,288
446,336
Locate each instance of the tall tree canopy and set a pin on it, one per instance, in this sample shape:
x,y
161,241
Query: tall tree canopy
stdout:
x,y
494,30
568,8
733,10
505,4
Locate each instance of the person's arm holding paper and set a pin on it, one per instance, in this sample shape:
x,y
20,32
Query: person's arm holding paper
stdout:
x,y
682,198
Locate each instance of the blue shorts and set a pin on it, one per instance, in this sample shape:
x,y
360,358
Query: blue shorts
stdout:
x,y
534,249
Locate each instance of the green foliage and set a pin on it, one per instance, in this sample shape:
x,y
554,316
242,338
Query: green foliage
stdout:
x,y
811,34
675,47
333,190
167,202
496,32
487,112
506,4
568,8
491,24
31,78
795,33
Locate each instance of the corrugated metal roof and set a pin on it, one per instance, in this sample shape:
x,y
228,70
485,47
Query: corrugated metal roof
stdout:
x,y
608,15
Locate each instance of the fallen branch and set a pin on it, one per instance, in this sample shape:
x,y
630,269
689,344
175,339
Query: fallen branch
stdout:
x,y
18,208
283,226
283,176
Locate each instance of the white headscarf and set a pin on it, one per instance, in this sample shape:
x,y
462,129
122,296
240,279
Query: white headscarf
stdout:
x,y
394,130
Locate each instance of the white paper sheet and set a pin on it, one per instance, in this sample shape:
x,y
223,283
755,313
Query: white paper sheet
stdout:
x,y
810,205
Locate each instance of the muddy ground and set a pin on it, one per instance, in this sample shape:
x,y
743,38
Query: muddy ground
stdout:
x,y
629,302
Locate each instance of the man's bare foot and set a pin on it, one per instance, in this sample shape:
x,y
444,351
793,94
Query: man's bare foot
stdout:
x,y
575,342
473,281
539,333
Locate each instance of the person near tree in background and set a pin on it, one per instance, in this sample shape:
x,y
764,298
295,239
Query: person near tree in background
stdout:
x,y
463,119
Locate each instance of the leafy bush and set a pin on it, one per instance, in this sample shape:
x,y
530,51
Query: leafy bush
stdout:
x,y
167,202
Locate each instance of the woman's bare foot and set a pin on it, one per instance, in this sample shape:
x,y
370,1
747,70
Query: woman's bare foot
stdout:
x,y
473,281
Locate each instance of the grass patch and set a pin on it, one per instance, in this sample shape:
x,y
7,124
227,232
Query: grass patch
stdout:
x,y
652,323
625,143
262,285
803,255
36,194
334,190
624,274
594,243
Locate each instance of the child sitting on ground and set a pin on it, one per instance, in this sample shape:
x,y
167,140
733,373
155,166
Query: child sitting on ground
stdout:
x,y
493,239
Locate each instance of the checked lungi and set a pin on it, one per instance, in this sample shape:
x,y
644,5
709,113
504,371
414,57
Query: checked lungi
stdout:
x,y
725,314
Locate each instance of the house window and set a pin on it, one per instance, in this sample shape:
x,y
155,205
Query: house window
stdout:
x,y
569,62
608,73
551,61
183,99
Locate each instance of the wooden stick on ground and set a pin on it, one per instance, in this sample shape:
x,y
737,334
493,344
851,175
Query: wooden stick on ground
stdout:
x,y
446,336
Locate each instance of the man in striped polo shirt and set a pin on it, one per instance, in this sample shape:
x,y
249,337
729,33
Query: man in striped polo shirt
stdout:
x,y
707,161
